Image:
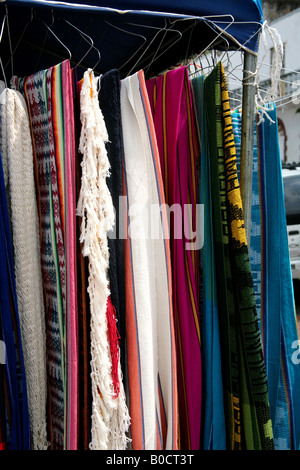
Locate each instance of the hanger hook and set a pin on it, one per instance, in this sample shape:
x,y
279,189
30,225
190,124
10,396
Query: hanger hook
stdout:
x,y
1,34
52,32
132,34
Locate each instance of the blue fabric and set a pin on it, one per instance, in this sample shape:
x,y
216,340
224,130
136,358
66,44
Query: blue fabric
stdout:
x,y
248,14
214,429
278,307
18,428
270,263
255,236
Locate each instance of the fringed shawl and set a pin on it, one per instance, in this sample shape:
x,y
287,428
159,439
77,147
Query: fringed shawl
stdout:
x,y
110,418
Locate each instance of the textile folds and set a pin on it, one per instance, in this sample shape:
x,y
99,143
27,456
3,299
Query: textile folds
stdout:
x,y
14,414
149,311
49,96
110,105
110,418
213,420
16,150
245,382
174,121
278,319
270,264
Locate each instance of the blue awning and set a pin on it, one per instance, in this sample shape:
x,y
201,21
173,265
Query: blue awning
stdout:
x,y
129,34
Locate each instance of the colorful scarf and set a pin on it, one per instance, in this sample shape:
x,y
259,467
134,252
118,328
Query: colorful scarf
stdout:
x,y
214,429
245,383
62,115
14,415
171,104
16,149
149,315
36,89
49,96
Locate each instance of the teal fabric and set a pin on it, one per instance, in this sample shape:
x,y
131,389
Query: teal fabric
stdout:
x,y
279,327
270,265
255,235
214,430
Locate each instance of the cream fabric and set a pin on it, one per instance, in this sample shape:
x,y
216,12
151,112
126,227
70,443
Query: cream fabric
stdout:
x,y
17,157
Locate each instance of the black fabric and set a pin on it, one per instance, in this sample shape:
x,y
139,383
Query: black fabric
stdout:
x,y
109,101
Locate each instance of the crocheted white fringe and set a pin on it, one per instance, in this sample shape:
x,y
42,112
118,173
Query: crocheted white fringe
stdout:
x,y
110,417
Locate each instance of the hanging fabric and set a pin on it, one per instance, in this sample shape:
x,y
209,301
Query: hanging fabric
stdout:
x,y
15,430
255,235
110,419
50,101
172,109
245,383
278,318
149,316
270,263
109,101
214,429
84,318
16,150
52,252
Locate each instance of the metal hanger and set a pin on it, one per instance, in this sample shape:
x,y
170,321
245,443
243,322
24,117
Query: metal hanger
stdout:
x,y
165,29
23,32
87,38
131,33
5,19
209,23
1,63
52,32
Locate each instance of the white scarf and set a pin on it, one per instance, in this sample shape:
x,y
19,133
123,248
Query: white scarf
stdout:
x,y
110,418
154,337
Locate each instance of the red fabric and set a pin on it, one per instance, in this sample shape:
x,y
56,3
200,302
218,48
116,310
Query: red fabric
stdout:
x,y
113,338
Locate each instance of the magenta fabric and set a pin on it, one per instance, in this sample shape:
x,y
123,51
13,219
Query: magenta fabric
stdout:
x,y
71,434
173,114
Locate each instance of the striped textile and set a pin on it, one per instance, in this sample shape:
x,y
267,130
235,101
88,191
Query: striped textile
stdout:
x,y
64,139
214,429
36,89
149,316
278,319
245,382
49,96
14,414
172,109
